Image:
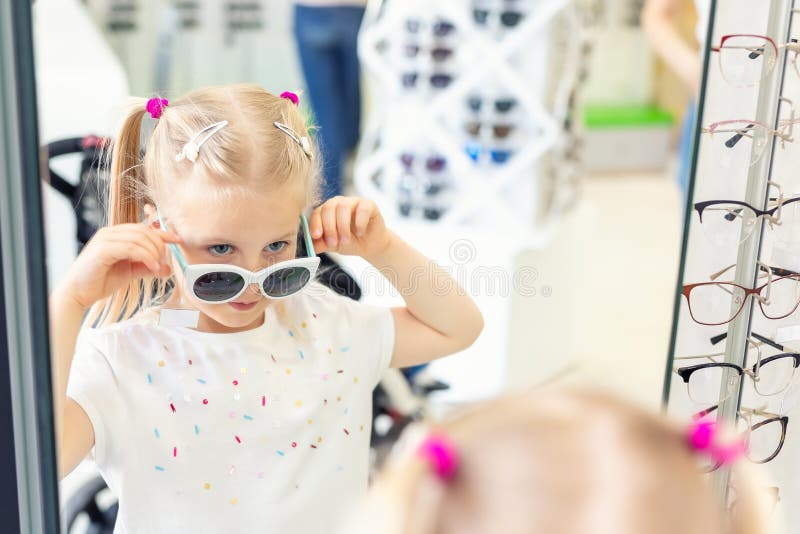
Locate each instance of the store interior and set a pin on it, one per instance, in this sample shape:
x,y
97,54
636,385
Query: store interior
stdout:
x,y
545,153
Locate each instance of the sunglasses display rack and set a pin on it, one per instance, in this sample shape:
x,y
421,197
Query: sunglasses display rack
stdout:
x,y
471,100
176,46
735,347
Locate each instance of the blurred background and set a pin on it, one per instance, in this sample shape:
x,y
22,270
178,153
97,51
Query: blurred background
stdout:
x,y
531,147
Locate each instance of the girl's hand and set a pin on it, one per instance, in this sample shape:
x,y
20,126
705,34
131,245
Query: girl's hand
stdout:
x,y
349,225
113,257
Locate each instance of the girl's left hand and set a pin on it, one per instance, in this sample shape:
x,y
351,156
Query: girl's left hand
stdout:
x,y
349,225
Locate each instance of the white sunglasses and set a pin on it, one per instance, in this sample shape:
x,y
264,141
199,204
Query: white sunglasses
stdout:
x,y
221,283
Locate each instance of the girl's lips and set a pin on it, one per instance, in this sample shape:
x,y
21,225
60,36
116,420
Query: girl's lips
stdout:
x,y
241,306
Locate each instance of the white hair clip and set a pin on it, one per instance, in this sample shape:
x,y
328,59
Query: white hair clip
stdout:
x,y
304,143
191,149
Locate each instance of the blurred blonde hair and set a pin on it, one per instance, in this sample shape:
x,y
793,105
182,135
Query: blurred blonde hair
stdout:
x,y
227,158
565,462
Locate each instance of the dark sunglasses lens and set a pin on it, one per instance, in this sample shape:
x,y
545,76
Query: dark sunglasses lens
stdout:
x,y
473,151
500,156
441,81
443,28
407,159
510,18
504,105
286,281
480,15
474,103
501,131
441,54
216,287
435,164
409,79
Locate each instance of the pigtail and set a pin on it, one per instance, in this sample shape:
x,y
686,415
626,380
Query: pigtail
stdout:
x,y
127,192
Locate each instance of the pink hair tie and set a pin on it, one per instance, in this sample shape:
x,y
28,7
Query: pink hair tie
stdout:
x,y
703,436
291,96
441,454
155,106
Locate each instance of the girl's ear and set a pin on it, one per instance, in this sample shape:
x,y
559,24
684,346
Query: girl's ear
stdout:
x,y
151,217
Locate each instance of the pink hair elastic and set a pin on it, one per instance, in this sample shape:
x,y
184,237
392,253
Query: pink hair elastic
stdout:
x,y
156,106
441,454
704,436
291,96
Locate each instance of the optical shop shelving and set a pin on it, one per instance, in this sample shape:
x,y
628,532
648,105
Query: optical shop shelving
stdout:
x,y
734,351
471,148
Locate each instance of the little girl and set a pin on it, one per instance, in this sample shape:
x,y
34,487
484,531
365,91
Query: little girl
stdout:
x,y
563,462
217,386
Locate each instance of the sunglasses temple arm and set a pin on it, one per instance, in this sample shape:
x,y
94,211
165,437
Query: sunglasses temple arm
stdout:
x,y
307,236
178,255
172,246
768,341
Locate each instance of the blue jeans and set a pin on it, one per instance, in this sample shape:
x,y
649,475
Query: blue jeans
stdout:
x,y
327,42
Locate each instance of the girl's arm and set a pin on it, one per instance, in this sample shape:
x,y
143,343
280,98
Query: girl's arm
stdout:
x,y
114,257
66,316
439,317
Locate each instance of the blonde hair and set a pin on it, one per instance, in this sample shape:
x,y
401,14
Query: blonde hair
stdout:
x,y
561,461
227,158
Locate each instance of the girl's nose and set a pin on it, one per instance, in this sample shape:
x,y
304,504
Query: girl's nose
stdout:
x,y
254,288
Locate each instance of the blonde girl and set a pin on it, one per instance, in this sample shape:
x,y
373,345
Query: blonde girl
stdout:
x,y
216,385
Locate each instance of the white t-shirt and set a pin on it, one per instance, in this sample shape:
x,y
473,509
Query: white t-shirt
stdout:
x,y
259,431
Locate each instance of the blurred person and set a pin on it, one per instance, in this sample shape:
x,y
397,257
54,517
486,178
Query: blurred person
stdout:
x,y
658,21
326,32
564,462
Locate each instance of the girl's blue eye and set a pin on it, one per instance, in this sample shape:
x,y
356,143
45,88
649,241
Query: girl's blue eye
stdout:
x,y
277,246
219,250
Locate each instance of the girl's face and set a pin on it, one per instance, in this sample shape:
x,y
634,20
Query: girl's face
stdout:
x,y
252,230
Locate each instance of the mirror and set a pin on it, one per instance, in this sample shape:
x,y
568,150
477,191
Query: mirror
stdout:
x,y
539,153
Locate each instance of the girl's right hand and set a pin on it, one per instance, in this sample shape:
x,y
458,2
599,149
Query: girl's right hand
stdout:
x,y
115,256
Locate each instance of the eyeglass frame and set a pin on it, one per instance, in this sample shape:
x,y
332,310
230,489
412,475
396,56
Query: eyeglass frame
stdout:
x,y
747,413
792,46
755,292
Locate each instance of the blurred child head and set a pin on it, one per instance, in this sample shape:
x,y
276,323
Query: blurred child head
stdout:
x,y
561,462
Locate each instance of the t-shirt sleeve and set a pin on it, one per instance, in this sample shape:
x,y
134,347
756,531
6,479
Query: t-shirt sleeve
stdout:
x,y
372,332
93,385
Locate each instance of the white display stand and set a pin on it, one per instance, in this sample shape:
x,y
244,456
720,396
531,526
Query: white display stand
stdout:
x,y
492,210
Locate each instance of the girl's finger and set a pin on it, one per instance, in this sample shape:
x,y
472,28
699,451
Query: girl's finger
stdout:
x,y
344,213
363,214
139,238
328,214
146,256
315,224
125,250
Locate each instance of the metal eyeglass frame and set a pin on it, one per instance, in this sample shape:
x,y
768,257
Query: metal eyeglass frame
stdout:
x,y
772,215
755,342
754,292
748,414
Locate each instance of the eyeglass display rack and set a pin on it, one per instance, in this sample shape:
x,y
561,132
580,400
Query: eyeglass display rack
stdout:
x,y
472,151
733,352
472,97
